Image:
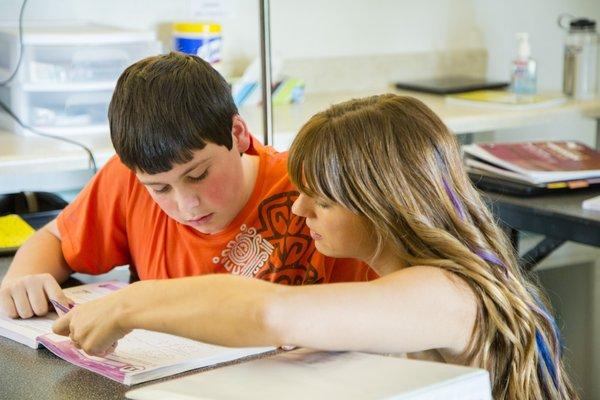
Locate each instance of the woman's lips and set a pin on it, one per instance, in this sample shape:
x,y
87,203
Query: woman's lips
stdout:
x,y
315,235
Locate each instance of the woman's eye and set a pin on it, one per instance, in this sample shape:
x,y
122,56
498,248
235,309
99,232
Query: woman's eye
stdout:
x,y
198,178
321,204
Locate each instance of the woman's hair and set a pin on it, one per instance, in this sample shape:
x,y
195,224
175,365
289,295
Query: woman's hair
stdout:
x,y
391,160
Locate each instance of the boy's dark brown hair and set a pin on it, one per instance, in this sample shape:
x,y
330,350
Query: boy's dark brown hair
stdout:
x,y
165,106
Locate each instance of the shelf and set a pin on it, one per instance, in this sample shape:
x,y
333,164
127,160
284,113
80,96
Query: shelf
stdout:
x,y
69,131
68,86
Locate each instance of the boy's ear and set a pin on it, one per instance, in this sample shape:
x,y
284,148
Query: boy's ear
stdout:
x,y
241,135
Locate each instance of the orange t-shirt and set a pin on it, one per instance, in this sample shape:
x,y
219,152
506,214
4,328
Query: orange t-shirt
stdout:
x,y
114,221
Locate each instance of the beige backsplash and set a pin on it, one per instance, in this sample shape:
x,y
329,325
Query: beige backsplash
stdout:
x,y
360,73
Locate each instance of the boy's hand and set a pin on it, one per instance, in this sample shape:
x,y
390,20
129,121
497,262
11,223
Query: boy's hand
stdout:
x,y
28,296
93,326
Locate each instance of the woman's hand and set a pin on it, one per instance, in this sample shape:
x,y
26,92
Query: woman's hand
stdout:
x,y
95,326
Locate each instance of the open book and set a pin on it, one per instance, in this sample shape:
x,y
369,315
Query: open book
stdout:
x,y
140,356
309,374
538,163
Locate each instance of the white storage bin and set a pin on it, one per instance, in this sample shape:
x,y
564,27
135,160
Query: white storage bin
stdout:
x,y
78,53
67,75
94,63
62,112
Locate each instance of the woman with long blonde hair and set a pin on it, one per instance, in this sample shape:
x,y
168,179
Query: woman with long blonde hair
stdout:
x,y
380,180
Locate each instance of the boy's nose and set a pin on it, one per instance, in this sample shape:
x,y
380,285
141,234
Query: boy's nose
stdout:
x,y
187,202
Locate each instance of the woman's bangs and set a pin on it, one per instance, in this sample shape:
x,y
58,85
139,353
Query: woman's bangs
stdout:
x,y
311,163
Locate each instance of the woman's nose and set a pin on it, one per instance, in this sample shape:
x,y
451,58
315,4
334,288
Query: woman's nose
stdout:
x,y
301,206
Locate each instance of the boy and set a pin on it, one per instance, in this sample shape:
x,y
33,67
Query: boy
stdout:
x,y
190,192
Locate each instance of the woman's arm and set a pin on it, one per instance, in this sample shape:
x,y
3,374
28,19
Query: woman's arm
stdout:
x,y
418,308
415,309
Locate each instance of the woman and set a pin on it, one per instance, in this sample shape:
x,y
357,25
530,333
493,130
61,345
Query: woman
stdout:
x,y
381,180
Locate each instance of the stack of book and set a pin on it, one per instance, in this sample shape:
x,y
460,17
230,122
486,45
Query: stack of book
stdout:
x,y
532,167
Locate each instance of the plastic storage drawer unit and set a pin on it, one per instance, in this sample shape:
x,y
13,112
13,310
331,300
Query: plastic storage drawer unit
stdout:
x,y
68,74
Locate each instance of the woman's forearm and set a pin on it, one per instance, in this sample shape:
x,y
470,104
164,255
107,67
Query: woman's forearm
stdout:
x,y
221,309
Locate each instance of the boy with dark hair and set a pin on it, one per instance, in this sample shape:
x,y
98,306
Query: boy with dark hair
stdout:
x,y
190,192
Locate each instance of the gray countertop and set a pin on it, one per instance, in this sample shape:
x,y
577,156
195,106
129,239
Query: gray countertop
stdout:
x,y
26,373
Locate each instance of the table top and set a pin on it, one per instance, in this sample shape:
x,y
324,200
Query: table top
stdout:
x,y
39,374
560,216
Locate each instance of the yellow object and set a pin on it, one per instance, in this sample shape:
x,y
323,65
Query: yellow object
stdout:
x,y
197,27
557,185
502,98
14,231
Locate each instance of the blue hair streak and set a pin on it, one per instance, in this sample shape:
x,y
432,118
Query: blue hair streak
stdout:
x,y
545,355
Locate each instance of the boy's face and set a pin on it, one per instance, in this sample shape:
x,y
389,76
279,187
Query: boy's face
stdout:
x,y
207,192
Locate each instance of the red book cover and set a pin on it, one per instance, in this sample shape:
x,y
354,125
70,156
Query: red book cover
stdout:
x,y
535,162
547,156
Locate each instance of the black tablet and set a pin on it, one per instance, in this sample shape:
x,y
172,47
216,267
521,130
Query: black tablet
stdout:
x,y
450,85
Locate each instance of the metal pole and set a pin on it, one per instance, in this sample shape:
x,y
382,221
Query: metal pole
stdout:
x,y
597,133
265,64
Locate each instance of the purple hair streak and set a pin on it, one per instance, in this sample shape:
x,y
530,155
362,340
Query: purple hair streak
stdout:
x,y
546,357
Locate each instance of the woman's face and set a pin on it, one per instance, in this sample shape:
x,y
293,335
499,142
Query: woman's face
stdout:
x,y
336,231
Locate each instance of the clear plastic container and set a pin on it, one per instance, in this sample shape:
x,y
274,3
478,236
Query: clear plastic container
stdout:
x,y
68,109
60,112
67,75
580,74
64,64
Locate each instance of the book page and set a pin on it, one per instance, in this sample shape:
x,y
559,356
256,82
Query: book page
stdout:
x,y
26,331
93,291
141,352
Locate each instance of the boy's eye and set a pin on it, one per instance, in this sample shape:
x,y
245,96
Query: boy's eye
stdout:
x,y
198,178
164,189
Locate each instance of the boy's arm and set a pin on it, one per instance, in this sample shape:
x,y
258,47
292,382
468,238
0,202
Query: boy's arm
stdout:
x,y
34,275
415,309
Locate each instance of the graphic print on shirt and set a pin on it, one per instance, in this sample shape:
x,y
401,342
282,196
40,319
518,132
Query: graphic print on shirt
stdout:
x,y
246,253
279,249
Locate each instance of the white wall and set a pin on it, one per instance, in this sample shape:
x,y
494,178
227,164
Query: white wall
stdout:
x,y
315,28
500,20
311,28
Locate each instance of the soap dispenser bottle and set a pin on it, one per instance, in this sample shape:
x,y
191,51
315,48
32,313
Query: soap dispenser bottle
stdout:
x,y
523,77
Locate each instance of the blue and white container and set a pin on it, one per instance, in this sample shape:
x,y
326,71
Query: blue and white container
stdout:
x,y
201,39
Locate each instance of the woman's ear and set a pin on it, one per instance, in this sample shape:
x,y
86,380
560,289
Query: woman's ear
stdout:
x,y
241,135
